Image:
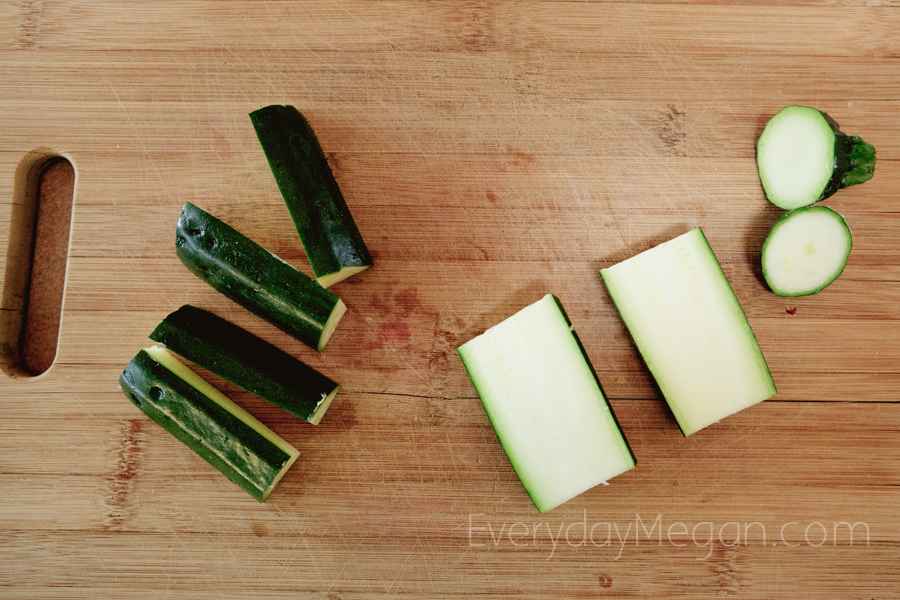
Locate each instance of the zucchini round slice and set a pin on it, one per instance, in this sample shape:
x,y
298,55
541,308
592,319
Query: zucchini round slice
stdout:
x,y
805,251
802,158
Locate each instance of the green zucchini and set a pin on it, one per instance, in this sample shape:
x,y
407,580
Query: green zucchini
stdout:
x,y
255,278
240,357
805,251
691,331
327,230
803,157
546,405
221,432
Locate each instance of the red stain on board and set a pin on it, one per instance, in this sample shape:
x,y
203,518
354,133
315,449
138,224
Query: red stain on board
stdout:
x,y
791,311
214,132
408,301
394,336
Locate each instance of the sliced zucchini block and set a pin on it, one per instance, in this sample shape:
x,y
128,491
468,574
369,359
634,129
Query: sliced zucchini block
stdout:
x,y
327,229
240,357
803,158
221,432
690,330
545,403
255,278
805,251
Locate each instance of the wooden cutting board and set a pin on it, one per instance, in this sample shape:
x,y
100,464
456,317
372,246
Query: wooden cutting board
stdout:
x,y
491,152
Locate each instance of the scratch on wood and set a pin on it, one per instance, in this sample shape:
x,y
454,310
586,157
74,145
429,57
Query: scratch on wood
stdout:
x,y
120,482
30,26
670,126
724,567
477,29
344,417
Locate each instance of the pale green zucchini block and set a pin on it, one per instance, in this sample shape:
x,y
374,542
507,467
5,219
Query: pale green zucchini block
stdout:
x,y
545,403
691,331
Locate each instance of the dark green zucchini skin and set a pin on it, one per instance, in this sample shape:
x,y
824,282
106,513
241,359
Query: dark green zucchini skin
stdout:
x,y
327,230
854,160
252,276
240,357
221,439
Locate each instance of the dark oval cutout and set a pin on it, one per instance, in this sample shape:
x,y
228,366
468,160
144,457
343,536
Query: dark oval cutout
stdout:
x,y
36,258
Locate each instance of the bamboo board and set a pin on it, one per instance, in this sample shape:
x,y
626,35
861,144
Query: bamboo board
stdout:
x,y
491,153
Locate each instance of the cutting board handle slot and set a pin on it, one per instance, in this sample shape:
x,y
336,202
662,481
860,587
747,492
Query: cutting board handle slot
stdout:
x,y
36,257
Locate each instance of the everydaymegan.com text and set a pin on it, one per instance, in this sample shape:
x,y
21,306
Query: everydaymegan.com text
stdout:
x,y
656,530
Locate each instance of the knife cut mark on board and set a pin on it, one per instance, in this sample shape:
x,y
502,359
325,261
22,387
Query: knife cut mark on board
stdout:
x,y
30,25
120,482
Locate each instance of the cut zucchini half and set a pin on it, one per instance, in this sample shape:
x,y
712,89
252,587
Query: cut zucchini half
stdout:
x,y
690,330
256,279
805,251
802,158
221,432
240,357
327,230
546,405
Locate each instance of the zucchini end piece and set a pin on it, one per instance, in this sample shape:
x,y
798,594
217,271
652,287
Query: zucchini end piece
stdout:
x,y
331,324
332,278
281,473
803,157
796,157
316,417
862,162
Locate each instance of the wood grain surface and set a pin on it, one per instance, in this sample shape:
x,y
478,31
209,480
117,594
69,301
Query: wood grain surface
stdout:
x,y
491,152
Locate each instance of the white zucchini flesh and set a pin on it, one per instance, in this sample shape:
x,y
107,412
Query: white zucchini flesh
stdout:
x,y
806,251
796,157
690,330
546,405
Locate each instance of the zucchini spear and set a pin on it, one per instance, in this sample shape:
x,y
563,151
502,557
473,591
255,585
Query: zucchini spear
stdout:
x,y
221,432
327,230
255,278
255,365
